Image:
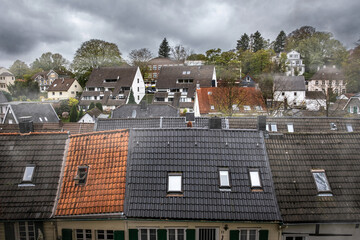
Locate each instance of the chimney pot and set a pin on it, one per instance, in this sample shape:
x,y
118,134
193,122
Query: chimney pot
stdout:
x,y
261,123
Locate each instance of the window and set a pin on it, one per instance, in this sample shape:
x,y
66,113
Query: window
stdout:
x,y
321,182
185,89
26,231
333,126
282,93
224,177
294,238
138,97
80,178
154,75
148,234
138,89
28,173
209,93
40,119
248,234
76,86
255,178
184,72
212,107
316,82
290,127
72,92
273,127
207,234
138,80
349,128
176,234
83,234
174,182
104,234
154,67
60,93
295,93
247,108
187,72
53,93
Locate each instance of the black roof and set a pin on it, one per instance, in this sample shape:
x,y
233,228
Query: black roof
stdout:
x,y
46,152
289,83
198,154
145,111
293,156
3,98
39,112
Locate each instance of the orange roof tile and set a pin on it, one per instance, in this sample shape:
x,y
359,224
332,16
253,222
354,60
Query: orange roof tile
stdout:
x,y
106,155
250,95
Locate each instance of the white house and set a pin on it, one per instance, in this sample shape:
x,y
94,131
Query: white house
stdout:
x,y
64,89
6,78
353,105
328,77
290,88
294,64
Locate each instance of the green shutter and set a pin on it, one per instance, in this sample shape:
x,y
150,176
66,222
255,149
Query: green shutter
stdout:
x,y
190,234
119,235
133,234
39,226
66,234
9,231
161,234
263,234
234,234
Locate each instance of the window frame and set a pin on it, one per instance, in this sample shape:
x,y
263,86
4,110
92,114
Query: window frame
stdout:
x,y
228,178
172,190
27,231
290,126
106,232
248,233
252,184
83,234
176,232
33,166
79,178
147,233
326,192
349,127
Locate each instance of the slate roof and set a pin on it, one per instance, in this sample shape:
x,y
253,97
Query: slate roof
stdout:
x,y
328,73
293,156
38,127
3,98
289,83
36,111
315,95
61,85
106,155
198,154
162,122
94,112
147,111
77,128
44,150
163,61
98,75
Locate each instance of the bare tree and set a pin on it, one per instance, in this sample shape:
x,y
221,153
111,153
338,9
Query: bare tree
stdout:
x,y
179,52
140,56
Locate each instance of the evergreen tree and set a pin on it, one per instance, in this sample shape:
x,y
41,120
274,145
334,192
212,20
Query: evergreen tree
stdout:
x,y
258,41
243,43
92,105
81,114
73,114
280,41
164,49
131,98
99,106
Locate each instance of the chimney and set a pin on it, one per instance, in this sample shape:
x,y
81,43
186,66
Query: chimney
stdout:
x,y
26,124
215,123
261,123
190,116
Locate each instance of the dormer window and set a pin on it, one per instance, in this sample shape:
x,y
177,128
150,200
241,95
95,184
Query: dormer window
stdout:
x,y
174,182
224,178
81,176
349,128
333,126
255,178
28,173
321,182
290,127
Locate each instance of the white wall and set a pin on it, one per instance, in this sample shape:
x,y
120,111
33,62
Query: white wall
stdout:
x,y
138,87
299,99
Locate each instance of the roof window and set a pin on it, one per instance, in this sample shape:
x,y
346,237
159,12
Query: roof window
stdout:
x,y
333,126
28,173
175,182
290,127
321,182
349,128
81,176
224,178
247,108
255,178
40,119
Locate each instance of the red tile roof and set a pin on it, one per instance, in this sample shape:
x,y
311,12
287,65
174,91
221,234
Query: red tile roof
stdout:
x,y
252,97
106,155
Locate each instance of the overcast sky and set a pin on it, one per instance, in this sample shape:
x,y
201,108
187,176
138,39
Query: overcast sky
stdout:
x,y
30,28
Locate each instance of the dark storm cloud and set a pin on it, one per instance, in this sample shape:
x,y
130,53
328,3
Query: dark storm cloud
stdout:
x,y
30,28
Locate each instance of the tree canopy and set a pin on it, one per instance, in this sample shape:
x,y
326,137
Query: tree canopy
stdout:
x,y
19,68
179,52
164,49
48,61
243,43
279,44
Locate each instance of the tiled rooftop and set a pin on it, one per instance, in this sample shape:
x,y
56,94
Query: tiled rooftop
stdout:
x,y
293,156
35,199
105,153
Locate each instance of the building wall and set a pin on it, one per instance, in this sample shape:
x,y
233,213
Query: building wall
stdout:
x,y
86,119
315,104
294,63
71,92
338,86
310,229
292,99
125,225
353,106
138,87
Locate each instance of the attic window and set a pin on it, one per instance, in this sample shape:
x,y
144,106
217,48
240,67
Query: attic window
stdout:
x,y
209,93
184,72
81,176
224,178
46,119
174,182
247,108
349,128
55,85
40,119
333,126
28,173
290,127
212,107
255,178
321,182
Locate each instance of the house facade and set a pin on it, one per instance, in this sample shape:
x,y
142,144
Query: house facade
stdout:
x,y
111,86
45,79
328,77
315,101
353,105
290,90
248,81
62,89
177,85
6,78
294,64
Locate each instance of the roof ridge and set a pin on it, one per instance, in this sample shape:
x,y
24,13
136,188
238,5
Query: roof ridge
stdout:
x,y
100,132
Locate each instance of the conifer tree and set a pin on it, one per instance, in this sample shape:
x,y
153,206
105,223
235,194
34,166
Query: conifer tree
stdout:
x,y
258,41
164,49
131,98
279,44
73,114
243,43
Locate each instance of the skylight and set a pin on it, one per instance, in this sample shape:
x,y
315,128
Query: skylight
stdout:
x,y
255,178
273,127
321,181
82,174
224,178
290,127
28,174
349,128
174,182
